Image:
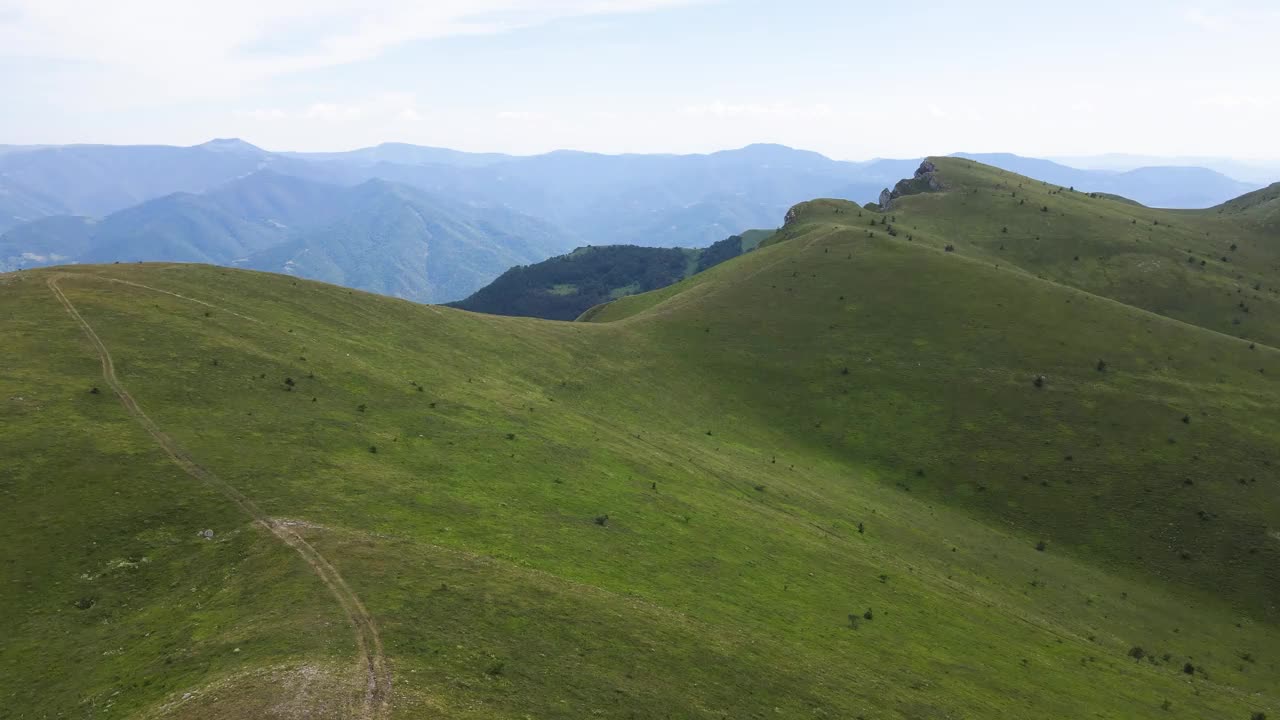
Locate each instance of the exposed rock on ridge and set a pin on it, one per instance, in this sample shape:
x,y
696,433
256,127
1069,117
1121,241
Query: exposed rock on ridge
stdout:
x,y
925,180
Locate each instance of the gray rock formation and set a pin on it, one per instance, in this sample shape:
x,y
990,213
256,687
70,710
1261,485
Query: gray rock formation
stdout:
x,y
925,180
886,200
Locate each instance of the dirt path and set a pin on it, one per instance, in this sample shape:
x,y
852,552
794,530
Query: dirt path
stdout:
x,y
184,297
377,698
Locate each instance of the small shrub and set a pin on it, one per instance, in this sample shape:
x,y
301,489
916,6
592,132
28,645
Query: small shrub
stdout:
x,y
94,391
868,614
1039,381
1102,366
1189,669
1137,653
362,407
1042,546
861,528
373,449
602,520
950,248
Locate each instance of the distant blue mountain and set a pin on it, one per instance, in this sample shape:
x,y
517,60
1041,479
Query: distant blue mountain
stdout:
x,y
367,217
1164,187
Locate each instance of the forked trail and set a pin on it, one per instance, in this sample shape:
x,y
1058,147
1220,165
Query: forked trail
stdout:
x,y
377,697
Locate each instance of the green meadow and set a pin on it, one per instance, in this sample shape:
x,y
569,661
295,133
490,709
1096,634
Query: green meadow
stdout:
x,y
1003,451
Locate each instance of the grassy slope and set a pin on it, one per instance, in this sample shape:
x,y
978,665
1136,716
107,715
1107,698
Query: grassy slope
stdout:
x,y
732,454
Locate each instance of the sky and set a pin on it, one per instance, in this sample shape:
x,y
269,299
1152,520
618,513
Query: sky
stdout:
x,y
853,80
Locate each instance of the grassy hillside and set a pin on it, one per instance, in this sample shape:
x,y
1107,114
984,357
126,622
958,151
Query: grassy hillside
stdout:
x,y
566,286
830,450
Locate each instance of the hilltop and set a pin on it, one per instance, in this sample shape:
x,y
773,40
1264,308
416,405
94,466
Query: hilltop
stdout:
x,y
930,458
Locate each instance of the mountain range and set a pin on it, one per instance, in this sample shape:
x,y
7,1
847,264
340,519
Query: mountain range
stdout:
x,y
229,202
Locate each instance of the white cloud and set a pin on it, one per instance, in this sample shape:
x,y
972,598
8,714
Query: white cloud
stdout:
x,y
399,107
518,115
1239,102
1232,21
213,49
777,109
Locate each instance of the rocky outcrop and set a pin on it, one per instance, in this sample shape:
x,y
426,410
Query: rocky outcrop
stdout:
x,y
925,180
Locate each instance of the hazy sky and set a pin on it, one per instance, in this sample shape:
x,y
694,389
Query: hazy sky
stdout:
x,y
850,79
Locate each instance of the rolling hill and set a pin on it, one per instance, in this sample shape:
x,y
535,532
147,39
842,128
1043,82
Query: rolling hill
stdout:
x,y
564,287
939,478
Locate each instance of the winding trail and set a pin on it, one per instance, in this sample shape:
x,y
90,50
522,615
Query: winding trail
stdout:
x,y
377,696
184,297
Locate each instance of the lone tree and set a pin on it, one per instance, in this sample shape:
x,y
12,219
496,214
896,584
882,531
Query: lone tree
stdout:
x,y
1102,366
